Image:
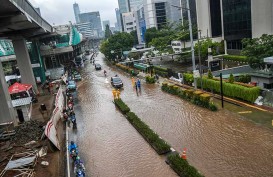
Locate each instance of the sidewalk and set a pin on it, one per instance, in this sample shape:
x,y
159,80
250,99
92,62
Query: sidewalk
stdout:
x,y
258,114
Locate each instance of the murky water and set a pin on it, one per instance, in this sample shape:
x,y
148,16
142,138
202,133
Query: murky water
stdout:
x,y
108,144
218,144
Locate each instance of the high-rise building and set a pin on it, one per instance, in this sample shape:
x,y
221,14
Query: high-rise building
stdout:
x,y
124,6
129,22
94,19
134,4
104,23
76,12
86,30
118,16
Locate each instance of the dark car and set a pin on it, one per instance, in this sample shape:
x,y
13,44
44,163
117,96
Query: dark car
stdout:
x,y
116,82
97,66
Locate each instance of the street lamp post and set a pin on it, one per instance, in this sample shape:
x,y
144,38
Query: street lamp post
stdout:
x,y
192,48
200,63
191,38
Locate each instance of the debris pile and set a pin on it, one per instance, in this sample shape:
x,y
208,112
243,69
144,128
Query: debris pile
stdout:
x,y
28,131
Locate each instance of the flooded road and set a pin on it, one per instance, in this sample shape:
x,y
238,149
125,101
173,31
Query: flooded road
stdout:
x,y
108,144
218,144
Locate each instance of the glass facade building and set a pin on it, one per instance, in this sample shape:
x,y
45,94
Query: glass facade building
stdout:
x,y
215,15
237,22
76,12
134,4
94,19
161,15
124,6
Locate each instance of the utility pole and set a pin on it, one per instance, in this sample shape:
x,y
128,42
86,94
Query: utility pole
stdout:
x,y
200,63
192,48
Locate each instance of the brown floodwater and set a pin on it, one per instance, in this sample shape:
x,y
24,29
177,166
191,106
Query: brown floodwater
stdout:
x,y
219,144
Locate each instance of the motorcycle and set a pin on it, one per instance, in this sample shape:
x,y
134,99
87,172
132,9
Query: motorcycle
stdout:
x,y
73,120
80,173
79,169
73,154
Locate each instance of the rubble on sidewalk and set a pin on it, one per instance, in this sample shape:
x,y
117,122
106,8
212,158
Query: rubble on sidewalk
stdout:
x,y
28,131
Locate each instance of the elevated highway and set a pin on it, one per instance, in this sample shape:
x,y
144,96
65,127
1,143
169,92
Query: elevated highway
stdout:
x,y
19,21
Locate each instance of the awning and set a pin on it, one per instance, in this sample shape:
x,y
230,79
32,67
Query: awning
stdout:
x,y
17,88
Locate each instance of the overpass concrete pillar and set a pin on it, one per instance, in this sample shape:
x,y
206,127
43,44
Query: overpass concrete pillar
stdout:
x,y
23,62
7,113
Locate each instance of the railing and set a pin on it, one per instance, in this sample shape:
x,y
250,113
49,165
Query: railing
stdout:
x,y
26,7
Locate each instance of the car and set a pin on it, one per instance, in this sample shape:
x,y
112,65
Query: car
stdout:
x,y
97,66
116,82
77,77
71,85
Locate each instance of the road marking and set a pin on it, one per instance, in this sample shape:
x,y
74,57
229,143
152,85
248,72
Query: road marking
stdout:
x,y
245,112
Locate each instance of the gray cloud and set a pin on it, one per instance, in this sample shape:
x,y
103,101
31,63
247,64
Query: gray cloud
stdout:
x,y
61,11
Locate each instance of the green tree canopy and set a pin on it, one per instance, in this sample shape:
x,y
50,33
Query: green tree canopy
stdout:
x,y
134,35
117,43
216,47
257,49
108,32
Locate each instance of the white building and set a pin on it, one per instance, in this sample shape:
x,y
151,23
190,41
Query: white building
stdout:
x,y
87,30
129,22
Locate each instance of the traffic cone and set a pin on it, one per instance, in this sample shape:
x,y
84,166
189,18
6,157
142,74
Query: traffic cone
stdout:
x,y
184,156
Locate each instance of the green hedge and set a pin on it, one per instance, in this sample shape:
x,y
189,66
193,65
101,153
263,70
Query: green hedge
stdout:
x,y
149,135
122,106
150,80
161,73
182,167
196,97
236,58
188,78
236,90
249,94
158,68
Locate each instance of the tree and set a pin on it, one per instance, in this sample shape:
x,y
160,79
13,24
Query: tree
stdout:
x,y
117,43
108,32
134,35
216,47
150,34
231,78
257,49
210,76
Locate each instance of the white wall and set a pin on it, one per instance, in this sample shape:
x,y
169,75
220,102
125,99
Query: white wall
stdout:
x,y
262,17
203,16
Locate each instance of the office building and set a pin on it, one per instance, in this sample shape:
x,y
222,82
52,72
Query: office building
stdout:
x,y
134,4
94,19
104,23
77,12
233,20
124,6
86,30
118,16
129,22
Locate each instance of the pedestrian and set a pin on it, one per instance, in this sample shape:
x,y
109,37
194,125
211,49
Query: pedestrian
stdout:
x,y
133,82
138,84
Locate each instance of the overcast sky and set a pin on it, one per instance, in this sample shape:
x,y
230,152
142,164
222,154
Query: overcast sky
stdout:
x,y
61,11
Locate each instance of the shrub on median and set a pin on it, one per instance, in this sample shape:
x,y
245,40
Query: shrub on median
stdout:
x,y
154,140
150,80
122,106
182,167
197,97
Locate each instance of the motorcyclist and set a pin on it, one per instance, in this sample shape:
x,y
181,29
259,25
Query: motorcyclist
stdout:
x,y
78,165
104,73
73,146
